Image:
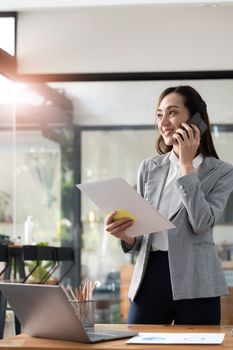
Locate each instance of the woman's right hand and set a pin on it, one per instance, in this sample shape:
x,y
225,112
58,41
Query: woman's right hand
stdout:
x,y
117,228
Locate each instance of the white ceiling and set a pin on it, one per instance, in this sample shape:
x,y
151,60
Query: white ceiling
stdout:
x,y
22,5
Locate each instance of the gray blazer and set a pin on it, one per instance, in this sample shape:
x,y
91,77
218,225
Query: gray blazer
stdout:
x,y
195,267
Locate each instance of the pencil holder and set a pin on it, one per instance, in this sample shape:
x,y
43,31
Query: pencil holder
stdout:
x,y
85,310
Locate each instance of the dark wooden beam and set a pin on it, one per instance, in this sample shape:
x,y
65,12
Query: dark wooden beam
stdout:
x,y
57,98
127,76
8,68
8,14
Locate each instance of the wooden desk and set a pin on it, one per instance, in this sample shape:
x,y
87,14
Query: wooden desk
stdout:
x,y
23,341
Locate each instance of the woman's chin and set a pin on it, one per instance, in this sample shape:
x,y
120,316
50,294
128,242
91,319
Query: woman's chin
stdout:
x,y
169,141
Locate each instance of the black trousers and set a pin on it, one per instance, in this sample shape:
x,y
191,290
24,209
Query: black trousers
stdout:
x,y
154,303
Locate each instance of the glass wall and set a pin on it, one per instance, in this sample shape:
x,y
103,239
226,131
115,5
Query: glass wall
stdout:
x,y
117,132
111,153
107,154
7,188
37,176
38,186
31,175
47,149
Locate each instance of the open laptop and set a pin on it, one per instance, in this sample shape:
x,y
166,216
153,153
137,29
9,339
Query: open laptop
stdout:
x,y
44,311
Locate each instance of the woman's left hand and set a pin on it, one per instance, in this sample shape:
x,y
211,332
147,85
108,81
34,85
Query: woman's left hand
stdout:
x,y
188,140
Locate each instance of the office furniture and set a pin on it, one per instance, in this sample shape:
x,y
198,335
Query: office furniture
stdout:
x,y
126,271
39,254
227,308
15,257
107,302
56,255
3,259
227,301
24,342
15,266
107,309
65,255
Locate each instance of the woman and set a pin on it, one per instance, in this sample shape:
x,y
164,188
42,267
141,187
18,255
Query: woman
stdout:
x,y
178,276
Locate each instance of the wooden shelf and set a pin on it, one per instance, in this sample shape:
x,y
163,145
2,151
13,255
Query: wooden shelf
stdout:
x,y
126,271
227,265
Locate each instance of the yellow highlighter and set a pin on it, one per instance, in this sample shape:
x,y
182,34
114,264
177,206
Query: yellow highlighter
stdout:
x,y
123,213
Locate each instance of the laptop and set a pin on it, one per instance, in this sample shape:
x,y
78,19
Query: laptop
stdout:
x,y
45,312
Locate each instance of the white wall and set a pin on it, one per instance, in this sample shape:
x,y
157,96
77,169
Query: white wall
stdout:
x,y
126,39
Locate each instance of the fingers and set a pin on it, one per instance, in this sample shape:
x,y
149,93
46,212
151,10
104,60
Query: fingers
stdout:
x,y
182,134
109,218
192,130
119,231
117,228
187,134
196,131
119,225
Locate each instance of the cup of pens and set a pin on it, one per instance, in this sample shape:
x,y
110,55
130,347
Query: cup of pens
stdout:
x,y
85,310
83,303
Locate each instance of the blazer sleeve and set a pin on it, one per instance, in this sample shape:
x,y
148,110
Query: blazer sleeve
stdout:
x,y
205,208
141,179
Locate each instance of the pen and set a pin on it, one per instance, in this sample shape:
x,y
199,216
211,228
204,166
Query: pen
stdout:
x,y
82,293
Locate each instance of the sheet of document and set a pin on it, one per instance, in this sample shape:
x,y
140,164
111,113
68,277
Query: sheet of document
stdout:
x,y
117,195
177,338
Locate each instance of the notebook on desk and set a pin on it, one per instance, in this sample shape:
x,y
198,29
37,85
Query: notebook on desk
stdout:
x,y
44,311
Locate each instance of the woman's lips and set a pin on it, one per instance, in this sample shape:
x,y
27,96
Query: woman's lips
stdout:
x,y
167,132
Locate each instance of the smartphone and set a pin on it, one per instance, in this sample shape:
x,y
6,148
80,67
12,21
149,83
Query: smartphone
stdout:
x,y
197,120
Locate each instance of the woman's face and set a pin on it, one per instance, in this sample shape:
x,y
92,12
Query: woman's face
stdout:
x,y
171,113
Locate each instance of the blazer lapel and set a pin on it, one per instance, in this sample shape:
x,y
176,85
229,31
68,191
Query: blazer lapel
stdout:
x,y
155,182
156,179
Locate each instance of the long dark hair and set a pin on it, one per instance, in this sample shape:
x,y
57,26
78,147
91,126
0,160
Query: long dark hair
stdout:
x,y
194,103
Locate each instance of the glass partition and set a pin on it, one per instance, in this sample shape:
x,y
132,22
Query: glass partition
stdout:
x,y
37,176
45,155
7,188
38,186
117,131
106,154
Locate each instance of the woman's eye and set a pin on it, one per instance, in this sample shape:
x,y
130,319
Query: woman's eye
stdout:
x,y
171,113
159,116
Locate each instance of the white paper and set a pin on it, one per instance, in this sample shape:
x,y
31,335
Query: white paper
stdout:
x,y
110,195
177,338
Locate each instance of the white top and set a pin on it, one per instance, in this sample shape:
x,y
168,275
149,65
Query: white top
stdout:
x,y
170,199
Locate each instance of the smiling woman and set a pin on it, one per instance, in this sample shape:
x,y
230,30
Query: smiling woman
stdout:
x,y
188,184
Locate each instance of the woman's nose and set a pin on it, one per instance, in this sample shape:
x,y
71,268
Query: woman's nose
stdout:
x,y
164,120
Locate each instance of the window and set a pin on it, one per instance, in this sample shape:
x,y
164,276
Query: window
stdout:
x,y
7,34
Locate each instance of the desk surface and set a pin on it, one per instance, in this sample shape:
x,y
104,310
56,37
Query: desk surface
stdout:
x,y
23,341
